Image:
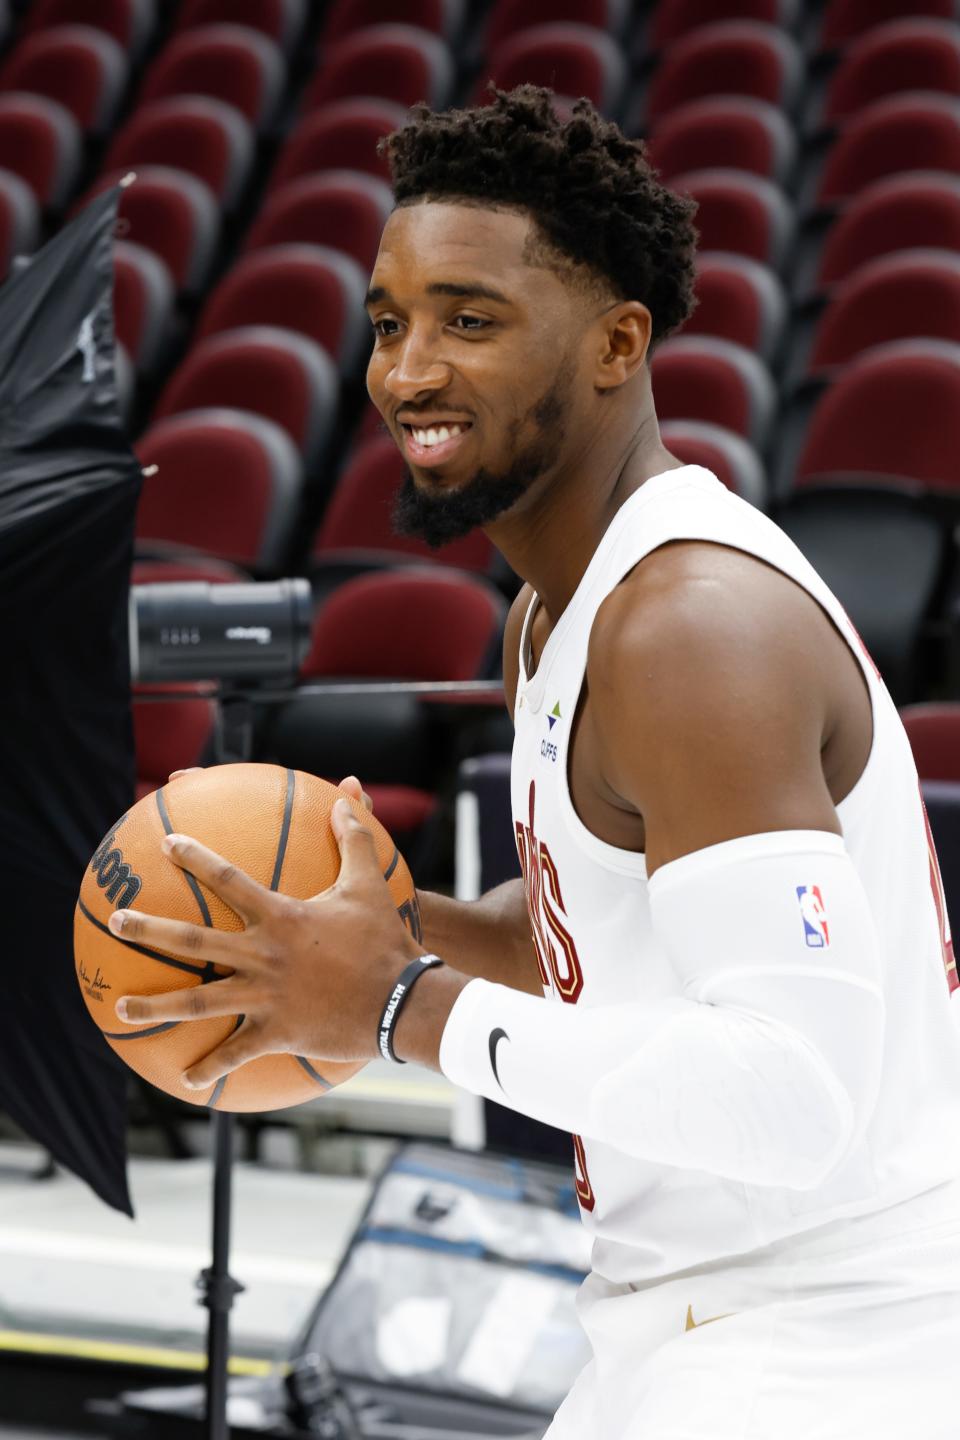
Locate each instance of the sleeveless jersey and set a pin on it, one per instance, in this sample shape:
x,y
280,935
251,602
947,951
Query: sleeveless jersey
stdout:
x,y
591,924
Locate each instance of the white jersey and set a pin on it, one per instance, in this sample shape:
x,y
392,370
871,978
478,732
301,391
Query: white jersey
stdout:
x,y
590,916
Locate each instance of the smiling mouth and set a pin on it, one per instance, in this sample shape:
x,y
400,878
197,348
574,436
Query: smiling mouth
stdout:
x,y
434,444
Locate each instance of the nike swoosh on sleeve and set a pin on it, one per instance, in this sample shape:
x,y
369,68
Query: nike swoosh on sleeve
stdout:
x,y
495,1037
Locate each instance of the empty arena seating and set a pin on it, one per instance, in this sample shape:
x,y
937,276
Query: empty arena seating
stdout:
x,y
934,731
741,300
702,377
208,138
129,22
267,371
740,212
732,57
175,215
508,17
143,296
843,20
228,483
911,54
19,219
731,458
308,288
229,62
281,20
40,141
391,62
439,17
341,134
674,18
573,60
730,131
343,206
888,137
81,67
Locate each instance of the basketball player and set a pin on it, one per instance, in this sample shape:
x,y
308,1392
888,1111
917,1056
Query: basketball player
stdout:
x,y
730,899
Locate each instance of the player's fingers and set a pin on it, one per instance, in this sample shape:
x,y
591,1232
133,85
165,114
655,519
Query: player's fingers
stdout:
x,y
195,1002
351,785
178,937
358,849
240,891
243,1045
190,770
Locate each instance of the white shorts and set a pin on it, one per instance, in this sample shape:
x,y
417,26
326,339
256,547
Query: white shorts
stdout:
x,y
806,1341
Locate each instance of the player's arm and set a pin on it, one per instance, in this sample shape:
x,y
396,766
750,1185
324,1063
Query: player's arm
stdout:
x,y
711,710
489,937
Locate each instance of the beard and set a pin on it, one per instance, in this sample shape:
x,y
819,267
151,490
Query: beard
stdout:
x,y
438,519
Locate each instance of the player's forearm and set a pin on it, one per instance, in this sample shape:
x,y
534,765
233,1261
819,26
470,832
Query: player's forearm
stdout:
x,y
489,938
763,1068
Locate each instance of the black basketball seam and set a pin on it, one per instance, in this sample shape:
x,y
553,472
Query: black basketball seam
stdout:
x,y
314,1074
141,949
284,829
141,1034
218,1090
190,879
394,862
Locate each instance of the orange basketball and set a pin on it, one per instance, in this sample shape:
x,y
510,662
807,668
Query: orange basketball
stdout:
x,y
275,825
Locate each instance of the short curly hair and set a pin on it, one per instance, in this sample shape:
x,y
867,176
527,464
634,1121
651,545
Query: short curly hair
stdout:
x,y
605,219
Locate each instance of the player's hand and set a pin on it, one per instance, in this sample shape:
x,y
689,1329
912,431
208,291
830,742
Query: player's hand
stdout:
x,y
350,786
310,977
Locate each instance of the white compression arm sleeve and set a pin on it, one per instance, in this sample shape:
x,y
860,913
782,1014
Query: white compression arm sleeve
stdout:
x,y
766,1065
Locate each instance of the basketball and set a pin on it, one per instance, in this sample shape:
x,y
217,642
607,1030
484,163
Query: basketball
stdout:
x,y
272,823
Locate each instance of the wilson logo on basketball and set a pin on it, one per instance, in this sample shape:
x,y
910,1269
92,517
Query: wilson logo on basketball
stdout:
x,y
114,875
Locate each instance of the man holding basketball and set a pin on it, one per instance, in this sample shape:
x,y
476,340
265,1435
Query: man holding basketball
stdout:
x,y
730,898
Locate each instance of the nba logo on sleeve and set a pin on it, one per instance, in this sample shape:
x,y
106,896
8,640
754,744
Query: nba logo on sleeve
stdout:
x,y
816,930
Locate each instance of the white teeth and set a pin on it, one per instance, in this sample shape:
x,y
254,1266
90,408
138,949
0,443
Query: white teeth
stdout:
x,y
437,434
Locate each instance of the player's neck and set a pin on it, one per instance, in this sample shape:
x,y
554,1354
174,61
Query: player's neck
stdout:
x,y
551,541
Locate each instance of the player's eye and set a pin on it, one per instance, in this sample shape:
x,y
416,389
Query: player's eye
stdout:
x,y
378,326
471,322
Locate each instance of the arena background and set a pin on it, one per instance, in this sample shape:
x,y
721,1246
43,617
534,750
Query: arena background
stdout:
x,y
227,436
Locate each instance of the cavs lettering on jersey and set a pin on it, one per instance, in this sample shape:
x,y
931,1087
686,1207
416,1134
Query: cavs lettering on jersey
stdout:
x,y
590,917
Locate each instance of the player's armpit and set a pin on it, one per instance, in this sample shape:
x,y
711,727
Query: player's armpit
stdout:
x,y
765,1066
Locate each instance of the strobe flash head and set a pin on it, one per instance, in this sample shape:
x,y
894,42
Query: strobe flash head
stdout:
x,y
253,632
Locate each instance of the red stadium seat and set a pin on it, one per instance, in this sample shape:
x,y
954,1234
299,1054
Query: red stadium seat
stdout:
x,y
76,65
735,57
307,288
207,138
385,625
267,371
903,55
228,483
174,215
129,22
439,17
741,213
344,209
702,378
857,427
388,62
731,131
843,20
741,300
228,62
358,515
731,458
169,734
41,142
343,134
934,733
281,20
673,19
889,137
215,572
509,17
573,60
919,208
908,293
19,220
143,296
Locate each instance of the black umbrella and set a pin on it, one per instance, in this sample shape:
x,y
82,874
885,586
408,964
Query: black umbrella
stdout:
x,y
69,486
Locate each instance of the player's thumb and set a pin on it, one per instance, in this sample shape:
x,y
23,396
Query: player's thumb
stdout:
x,y
358,851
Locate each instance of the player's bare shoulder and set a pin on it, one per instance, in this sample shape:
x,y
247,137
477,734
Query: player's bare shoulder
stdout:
x,y
512,631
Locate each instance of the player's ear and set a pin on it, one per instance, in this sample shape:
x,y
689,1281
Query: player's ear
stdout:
x,y
623,342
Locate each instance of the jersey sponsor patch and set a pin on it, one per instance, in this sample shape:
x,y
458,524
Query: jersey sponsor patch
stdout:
x,y
813,912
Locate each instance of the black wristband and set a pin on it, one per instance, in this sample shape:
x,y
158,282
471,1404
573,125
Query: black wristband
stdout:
x,y
395,1003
